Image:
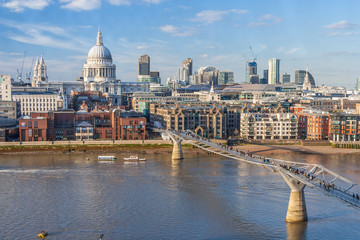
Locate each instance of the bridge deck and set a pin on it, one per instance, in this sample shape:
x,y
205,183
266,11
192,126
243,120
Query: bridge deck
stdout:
x,y
312,175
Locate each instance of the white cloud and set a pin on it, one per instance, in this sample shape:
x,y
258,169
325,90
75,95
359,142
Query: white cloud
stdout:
x,y
211,16
43,35
338,34
204,56
153,1
120,2
20,5
265,20
258,24
261,47
293,50
343,53
81,5
270,18
342,25
175,31
142,47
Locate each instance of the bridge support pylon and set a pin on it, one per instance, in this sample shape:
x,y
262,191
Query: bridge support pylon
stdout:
x,y
177,153
297,207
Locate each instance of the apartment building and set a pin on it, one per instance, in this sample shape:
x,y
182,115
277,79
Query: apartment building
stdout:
x,y
262,126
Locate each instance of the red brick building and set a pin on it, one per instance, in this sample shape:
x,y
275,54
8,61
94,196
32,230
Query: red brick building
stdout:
x,y
313,125
34,129
70,125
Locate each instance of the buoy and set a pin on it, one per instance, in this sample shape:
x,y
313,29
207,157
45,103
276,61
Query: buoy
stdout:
x,y
87,159
42,234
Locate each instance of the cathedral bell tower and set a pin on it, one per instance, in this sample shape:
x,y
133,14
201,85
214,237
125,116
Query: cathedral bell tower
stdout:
x,y
40,72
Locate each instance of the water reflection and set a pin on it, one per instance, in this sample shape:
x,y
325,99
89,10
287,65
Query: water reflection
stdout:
x,y
296,231
200,197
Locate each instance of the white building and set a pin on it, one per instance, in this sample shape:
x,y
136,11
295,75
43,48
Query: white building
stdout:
x,y
98,74
274,71
5,87
38,102
210,96
263,126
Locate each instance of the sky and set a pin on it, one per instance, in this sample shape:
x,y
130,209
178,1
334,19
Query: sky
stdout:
x,y
321,34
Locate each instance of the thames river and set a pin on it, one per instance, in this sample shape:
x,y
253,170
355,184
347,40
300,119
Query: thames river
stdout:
x,y
201,197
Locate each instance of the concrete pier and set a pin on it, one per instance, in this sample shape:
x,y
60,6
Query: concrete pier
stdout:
x,y
177,153
297,207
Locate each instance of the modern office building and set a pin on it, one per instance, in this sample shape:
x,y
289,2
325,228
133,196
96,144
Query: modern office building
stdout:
x,y
226,77
144,65
357,86
208,75
274,71
264,80
252,75
285,78
185,71
254,79
300,77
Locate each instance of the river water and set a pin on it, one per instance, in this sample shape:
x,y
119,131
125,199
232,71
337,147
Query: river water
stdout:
x,y
201,197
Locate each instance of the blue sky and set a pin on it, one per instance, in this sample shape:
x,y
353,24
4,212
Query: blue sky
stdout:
x,y
323,35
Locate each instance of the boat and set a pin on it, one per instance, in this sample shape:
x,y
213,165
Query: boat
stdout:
x,y
101,158
42,234
134,158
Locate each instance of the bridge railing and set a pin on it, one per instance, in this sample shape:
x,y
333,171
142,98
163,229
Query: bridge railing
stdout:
x,y
312,175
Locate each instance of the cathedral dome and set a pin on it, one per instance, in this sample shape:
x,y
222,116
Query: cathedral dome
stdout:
x,y
99,65
99,51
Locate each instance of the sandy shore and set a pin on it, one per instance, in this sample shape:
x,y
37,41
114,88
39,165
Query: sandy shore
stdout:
x,y
267,150
158,147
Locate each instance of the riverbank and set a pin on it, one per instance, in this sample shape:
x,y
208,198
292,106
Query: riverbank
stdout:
x,y
271,150
158,147
129,146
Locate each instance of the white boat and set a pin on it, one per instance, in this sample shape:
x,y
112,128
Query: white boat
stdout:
x,y
134,158
101,158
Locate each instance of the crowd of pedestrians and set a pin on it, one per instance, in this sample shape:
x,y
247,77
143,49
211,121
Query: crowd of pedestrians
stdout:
x,y
322,183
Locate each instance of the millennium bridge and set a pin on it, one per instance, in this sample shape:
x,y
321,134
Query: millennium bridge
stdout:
x,y
296,174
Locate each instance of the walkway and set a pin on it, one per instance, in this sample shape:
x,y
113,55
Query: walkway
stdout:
x,y
312,175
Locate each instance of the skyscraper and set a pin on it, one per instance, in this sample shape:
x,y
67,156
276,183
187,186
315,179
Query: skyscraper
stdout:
x,y
357,86
144,65
225,77
300,76
274,71
185,71
285,78
252,72
264,80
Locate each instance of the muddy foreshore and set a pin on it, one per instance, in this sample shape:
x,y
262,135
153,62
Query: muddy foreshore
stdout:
x,y
159,148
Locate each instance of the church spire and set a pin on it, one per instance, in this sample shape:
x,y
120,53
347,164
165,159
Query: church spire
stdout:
x,y
42,59
99,41
212,87
306,83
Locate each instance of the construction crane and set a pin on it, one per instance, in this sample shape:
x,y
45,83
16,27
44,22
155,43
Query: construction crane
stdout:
x,y
255,58
19,73
28,75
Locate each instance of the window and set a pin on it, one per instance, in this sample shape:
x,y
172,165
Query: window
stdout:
x,y
35,124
